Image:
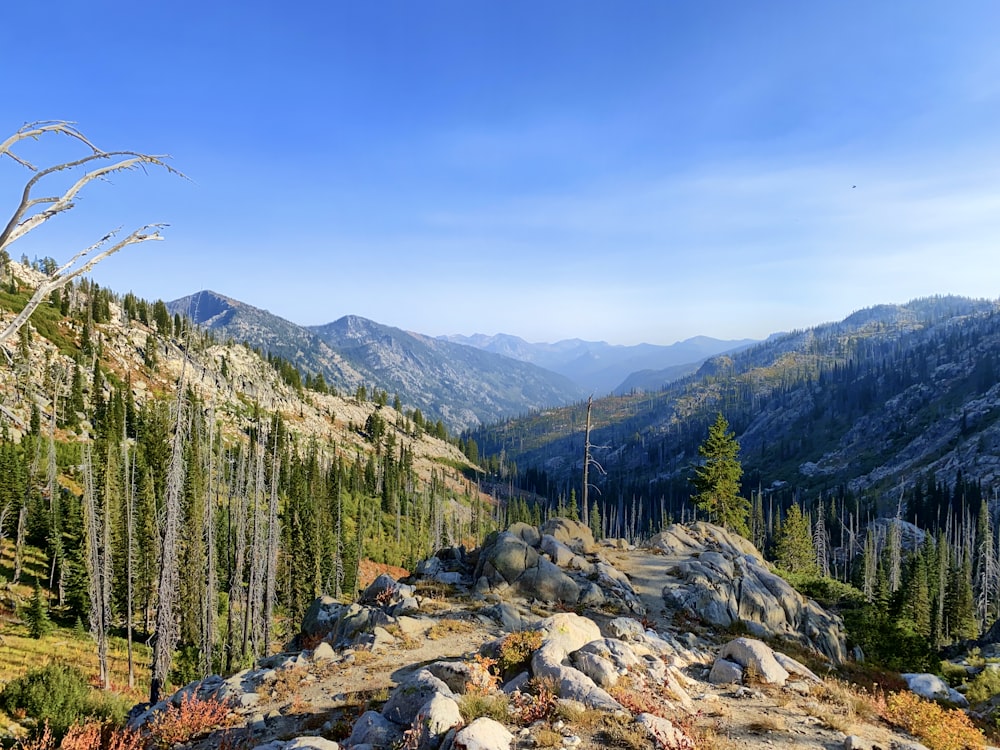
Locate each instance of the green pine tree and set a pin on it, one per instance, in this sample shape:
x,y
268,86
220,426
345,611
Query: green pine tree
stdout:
x,y
794,550
37,615
717,480
595,520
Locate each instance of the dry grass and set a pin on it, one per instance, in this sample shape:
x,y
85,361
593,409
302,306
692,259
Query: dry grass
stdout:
x,y
403,639
853,702
285,685
547,738
20,654
619,731
359,658
450,626
767,723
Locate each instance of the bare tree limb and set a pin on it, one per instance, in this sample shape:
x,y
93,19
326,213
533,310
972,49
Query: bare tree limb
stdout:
x,y
64,275
34,130
31,212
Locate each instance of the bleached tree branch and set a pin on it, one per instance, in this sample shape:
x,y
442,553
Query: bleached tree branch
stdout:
x,y
31,212
64,275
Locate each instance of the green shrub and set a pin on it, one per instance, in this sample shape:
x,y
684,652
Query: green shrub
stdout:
x,y
953,674
827,591
985,685
516,649
56,693
475,705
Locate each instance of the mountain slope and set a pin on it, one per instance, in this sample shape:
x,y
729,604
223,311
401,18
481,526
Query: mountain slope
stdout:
x,y
599,367
882,400
462,385
230,318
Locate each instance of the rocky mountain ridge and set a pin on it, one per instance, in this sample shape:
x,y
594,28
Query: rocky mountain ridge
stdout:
x,y
460,385
229,378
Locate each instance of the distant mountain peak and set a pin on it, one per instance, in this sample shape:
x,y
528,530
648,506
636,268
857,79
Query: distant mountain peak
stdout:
x,y
597,366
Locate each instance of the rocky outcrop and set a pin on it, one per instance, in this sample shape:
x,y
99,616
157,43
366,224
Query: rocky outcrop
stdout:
x,y
615,665
721,579
508,562
933,688
743,659
556,564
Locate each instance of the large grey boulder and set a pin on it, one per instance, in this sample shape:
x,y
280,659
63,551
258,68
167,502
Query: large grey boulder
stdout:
x,y
455,674
300,743
725,672
373,729
933,688
410,696
484,734
606,660
755,657
722,579
573,534
662,732
321,616
311,743
565,633
508,561
434,719
528,533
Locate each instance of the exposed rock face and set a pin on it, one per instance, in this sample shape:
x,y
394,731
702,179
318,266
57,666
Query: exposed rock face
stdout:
x,y
573,534
722,579
933,688
755,656
558,563
510,562
606,667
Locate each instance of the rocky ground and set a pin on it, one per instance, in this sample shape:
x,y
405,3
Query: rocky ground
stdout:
x,y
478,635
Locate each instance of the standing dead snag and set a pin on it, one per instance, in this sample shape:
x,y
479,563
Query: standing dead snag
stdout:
x,y
31,212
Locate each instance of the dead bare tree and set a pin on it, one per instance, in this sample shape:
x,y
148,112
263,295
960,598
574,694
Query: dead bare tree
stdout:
x,y
167,627
31,212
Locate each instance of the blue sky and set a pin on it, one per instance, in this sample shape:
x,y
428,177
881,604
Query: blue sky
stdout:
x,y
643,171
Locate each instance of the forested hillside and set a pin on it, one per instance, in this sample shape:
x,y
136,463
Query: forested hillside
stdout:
x,y
869,451
892,399
459,385
196,492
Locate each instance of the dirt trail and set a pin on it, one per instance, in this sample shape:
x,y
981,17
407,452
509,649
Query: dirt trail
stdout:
x,y
646,572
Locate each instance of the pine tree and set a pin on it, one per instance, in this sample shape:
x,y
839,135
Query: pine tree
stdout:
x,y
917,600
960,608
595,520
717,479
37,615
794,550
573,509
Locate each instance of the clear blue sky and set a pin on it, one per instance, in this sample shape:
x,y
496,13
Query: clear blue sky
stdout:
x,y
642,171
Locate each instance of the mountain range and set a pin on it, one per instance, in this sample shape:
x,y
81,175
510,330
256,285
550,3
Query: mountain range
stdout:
x,y
462,381
893,399
889,396
601,368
